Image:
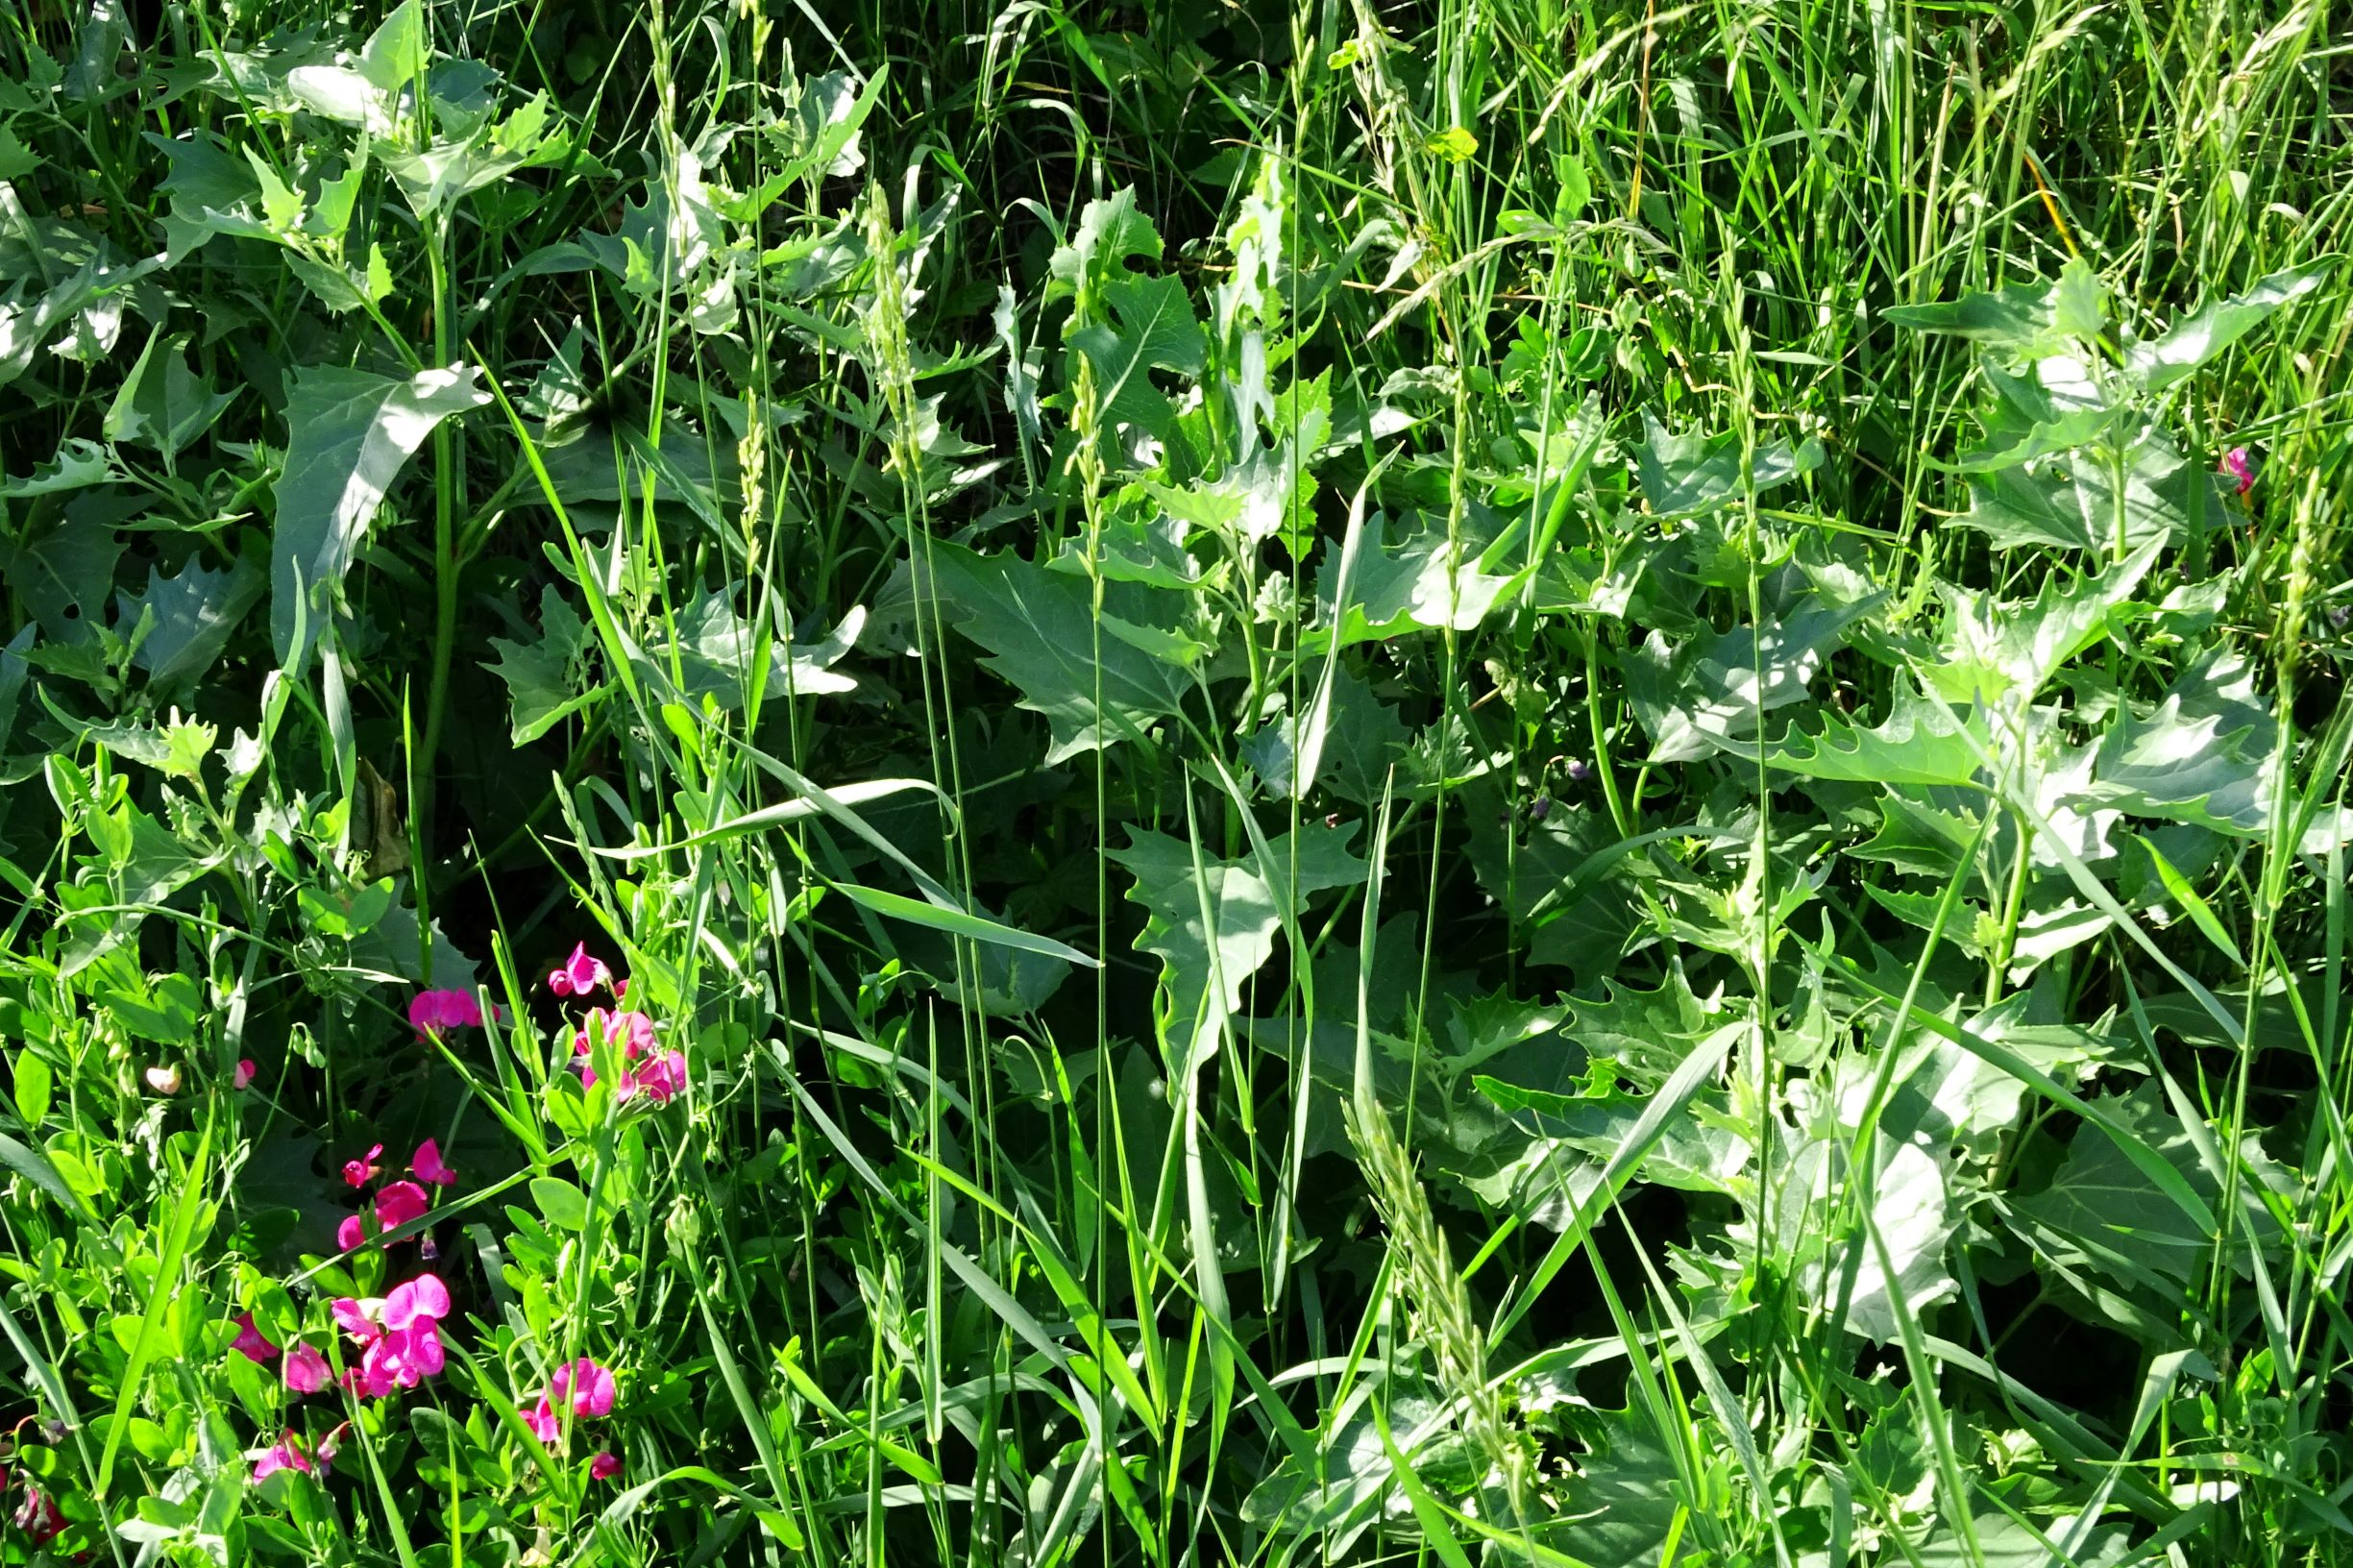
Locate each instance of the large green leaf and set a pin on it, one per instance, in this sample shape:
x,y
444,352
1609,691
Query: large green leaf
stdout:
x,y
1213,923
1155,331
192,616
2207,332
541,676
1703,694
351,433
1036,623
1683,474
1917,744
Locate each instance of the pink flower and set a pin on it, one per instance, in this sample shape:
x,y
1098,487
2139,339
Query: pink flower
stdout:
x,y
632,1031
545,1424
588,1385
423,1299
437,1011
249,1342
350,1234
281,1454
399,1203
401,1335
582,974
2240,465
428,1168
243,1077
305,1370
604,1466
661,1079
362,1172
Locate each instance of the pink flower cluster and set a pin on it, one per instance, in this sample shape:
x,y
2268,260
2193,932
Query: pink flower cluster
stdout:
x,y
662,1073
438,1012
399,1336
305,1371
656,1074
397,1203
588,1389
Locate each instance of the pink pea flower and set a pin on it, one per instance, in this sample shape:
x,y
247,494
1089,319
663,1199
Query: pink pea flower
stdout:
x,y
428,1168
631,1030
545,1424
658,1079
582,974
399,1203
2240,465
305,1370
604,1466
437,1011
243,1077
362,1172
350,1234
249,1342
588,1387
281,1454
401,1335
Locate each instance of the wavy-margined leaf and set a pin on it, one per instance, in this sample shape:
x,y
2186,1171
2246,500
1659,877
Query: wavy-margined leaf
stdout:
x,y
1993,649
1682,474
2207,332
1152,328
2074,503
1213,923
162,403
1917,744
1111,232
1036,623
2021,317
1706,694
351,433
2203,756
1420,583
191,616
541,684
2102,1211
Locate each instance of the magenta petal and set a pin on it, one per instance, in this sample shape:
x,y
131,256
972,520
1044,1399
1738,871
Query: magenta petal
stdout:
x,y
604,1466
249,1342
399,1203
243,1077
350,1234
353,1320
305,1370
428,1166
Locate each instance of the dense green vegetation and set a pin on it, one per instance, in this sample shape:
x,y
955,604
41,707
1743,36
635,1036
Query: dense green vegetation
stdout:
x,y
1176,784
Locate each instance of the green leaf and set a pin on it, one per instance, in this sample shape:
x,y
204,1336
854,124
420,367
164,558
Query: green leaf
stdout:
x,y
162,403
562,1204
1994,650
1917,744
2203,755
351,433
193,616
1626,1496
2128,1227
541,683
1212,924
2207,333
1155,331
1421,583
1111,232
2075,504
1036,623
2016,317
1703,694
1683,475
957,923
